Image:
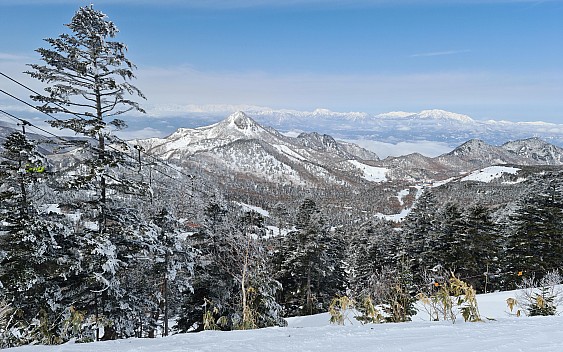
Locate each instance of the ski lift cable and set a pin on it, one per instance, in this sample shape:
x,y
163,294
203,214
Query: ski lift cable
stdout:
x,y
53,117
15,118
27,123
141,150
80,117
24,121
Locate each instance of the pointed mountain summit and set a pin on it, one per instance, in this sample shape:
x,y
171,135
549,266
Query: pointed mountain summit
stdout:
x,y
240,126
240,146
237,126
472,148
241,121
317,141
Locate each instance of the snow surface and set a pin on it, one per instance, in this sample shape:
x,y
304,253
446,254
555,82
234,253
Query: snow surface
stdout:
x,y
286,150
490,173
276,231
519,180
402,194
442,182
247,207
371,173
507,333
52,208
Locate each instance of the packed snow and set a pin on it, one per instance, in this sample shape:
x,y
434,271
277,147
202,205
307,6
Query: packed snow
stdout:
x,y
490,173
275,231
371,173
395,217
500,332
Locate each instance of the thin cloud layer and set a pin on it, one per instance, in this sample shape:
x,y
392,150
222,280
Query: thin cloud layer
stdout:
x,y
441,53
477,93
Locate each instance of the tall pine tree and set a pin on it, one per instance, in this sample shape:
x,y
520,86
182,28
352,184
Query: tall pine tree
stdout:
x,y
88,76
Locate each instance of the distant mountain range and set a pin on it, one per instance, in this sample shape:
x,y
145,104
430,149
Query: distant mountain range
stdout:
x,y
446,129
395,127
241,146
259,165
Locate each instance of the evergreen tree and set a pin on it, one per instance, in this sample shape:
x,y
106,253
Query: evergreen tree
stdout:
x,y
88,86
480,250
450,240
311,272
534,244
32,265
213,287
162,279
374,246
421,233
464,241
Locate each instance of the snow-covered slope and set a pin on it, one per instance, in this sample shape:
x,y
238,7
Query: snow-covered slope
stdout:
x,y
314,334
478,153
490,173
243,149
240,146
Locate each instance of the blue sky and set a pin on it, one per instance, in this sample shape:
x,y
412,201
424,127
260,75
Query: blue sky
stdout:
x,y
487,59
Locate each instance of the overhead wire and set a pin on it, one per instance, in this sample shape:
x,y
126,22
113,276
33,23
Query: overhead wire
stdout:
x,y
62,139
154,158
141,150
27,123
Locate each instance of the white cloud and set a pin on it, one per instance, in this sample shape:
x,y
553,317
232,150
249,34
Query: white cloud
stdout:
x,y
441,53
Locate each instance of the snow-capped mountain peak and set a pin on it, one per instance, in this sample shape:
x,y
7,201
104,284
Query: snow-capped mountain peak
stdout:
x,y
241,121
395,114
442,115
236,126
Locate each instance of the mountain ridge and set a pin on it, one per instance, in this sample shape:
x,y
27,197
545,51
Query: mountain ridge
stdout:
x,y
316,156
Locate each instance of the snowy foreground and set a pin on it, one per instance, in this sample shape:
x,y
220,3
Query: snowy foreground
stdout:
x,y
505,333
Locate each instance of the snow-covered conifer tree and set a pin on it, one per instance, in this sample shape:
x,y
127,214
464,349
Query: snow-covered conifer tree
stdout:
x,y
32,264
213,286
311,271
88,77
